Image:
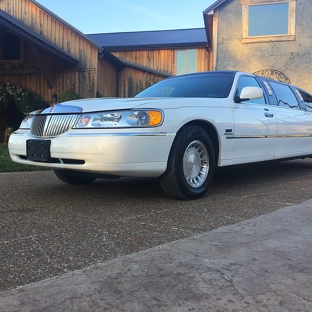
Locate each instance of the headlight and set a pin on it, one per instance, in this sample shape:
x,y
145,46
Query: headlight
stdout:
x,y
27,122
133,118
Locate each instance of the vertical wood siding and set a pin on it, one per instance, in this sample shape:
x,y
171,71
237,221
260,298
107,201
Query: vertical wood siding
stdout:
x,y
131,81
107,79
162,60
82,79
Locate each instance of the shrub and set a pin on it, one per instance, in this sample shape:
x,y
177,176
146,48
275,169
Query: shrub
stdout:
x,y
68,95
25,100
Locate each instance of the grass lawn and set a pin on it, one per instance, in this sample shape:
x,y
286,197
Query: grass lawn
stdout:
x,y
7,165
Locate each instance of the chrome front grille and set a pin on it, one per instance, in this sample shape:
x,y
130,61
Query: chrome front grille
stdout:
x,y
47,126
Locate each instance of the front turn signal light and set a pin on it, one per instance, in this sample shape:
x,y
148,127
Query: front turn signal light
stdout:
x,y
155,117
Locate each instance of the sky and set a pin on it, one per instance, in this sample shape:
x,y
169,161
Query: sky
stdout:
x,y
109,16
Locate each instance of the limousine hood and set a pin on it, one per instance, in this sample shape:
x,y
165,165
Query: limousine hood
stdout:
x,y
95,105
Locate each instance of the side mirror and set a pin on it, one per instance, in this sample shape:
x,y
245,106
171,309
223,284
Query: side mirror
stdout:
x,y
249,93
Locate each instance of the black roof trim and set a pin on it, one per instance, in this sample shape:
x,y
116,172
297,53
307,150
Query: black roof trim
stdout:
x,y
24,31
56,17
119,64
145,69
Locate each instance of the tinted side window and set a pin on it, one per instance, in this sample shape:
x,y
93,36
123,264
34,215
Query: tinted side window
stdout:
x,y
306,98
285,96
246,81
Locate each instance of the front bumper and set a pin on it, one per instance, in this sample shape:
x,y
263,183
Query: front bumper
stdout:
x,y
135,154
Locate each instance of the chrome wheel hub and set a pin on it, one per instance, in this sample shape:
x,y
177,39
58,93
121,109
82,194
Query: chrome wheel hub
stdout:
x,y
196,164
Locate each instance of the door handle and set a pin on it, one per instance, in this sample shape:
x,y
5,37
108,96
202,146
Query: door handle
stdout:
x,y
269,115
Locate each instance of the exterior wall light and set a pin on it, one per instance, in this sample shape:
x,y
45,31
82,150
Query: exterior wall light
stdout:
x,y
54,98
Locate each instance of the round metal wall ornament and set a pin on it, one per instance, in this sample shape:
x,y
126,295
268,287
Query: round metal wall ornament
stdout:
x,y
274,74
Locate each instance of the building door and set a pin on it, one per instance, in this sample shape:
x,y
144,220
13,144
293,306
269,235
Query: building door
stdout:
x,y
10,116
3,119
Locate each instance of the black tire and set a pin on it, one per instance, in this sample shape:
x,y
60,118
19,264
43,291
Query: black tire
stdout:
x,y
73,178
191,165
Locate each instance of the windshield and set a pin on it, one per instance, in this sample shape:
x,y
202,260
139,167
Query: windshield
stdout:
x,y
215,85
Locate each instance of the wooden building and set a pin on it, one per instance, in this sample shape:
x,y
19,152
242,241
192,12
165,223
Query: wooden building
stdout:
x,y
149,56
52,52
42,57
43,54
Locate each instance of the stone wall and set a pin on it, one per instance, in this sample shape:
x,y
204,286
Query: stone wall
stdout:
x,y
293,58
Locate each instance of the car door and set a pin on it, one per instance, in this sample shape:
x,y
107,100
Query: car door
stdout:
x,y
294,135
255,127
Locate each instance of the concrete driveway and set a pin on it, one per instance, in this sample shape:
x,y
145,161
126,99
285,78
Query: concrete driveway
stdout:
x,y
48,228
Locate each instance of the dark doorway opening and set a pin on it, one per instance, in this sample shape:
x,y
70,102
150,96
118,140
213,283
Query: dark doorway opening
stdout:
x,y
3,120
10,116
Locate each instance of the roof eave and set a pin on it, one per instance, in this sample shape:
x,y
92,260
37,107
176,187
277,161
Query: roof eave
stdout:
x,y
145,69
119,64
35,38
207,29
214,6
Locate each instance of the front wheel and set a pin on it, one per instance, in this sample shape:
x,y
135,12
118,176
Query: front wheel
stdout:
x,y
191,165
73,178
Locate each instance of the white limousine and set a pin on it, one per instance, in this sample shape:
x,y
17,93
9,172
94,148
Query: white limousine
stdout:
x,y
178,130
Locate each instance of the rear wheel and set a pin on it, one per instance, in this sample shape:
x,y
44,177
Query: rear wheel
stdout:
x,y
72,177
191,165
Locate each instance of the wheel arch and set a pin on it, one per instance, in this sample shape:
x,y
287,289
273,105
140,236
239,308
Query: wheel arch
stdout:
x,y
192,161
211,131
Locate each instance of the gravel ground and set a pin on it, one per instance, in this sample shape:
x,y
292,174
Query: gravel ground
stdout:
x,y
48,228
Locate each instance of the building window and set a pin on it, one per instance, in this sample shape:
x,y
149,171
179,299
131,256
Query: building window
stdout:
x,y
11,47
268,24
263,21
186,62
